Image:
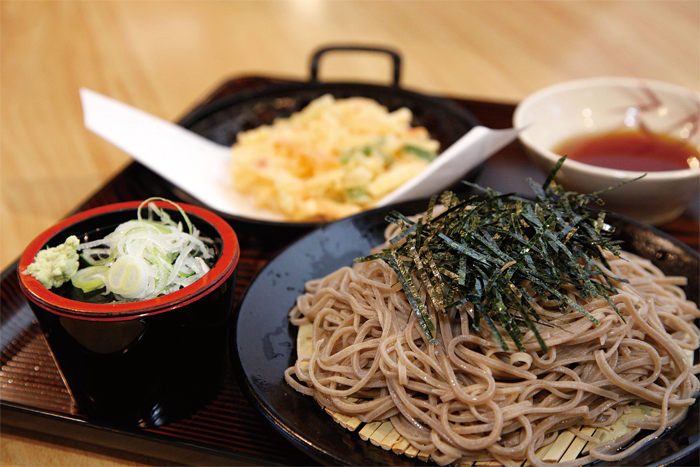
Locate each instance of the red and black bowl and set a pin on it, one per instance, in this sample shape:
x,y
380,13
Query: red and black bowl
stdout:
x,y
142,363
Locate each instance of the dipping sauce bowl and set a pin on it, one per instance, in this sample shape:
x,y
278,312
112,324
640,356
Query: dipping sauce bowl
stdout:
x,y
143,363
610,107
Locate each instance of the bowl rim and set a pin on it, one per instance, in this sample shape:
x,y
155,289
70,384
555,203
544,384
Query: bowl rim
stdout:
x,y
45,298
596,82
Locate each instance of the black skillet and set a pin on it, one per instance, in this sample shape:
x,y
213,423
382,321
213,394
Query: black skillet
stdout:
x,y
222,119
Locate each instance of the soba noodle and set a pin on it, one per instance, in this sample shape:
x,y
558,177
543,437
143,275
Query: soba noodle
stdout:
x,y
465,399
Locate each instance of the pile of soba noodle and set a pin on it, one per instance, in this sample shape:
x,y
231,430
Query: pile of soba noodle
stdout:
x,y
465,399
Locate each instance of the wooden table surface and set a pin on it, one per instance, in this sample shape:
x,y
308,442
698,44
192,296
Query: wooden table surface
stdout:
x,y
163,57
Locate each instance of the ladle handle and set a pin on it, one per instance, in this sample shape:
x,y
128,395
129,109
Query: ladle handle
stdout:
x,y
396,58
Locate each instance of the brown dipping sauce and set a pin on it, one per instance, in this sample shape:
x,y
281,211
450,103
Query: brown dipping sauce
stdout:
x,y
639,151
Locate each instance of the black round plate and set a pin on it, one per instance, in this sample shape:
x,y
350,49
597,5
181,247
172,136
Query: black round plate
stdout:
x,y
264,343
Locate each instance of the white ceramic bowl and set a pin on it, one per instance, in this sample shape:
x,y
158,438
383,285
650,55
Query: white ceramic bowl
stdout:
x,y
557,113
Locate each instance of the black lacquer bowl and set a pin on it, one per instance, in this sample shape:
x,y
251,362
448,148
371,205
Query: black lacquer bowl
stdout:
x,y
265,342
142,363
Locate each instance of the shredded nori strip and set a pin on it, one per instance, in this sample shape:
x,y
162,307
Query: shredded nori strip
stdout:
x,y
483,249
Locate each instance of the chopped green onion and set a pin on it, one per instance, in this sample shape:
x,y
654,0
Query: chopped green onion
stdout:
x,y
128,277
90,278
145,257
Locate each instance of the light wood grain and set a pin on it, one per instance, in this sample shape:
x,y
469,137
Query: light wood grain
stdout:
x,y
164,56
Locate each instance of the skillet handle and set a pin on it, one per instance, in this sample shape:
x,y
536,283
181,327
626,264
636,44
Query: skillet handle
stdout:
x,y
394,56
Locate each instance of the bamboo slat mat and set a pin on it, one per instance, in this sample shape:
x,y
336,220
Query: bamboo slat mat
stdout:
x,y
566,447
